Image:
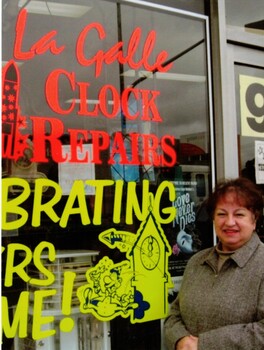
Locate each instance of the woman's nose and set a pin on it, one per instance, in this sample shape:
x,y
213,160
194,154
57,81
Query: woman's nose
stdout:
x,y
230,220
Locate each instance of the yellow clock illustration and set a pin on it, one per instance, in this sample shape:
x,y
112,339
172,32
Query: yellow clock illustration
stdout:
x,y
150,252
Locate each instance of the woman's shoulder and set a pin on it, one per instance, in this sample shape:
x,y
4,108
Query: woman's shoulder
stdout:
x,y
256,246
201,256
260,250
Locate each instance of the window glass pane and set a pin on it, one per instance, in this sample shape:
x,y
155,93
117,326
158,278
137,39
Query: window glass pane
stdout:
x,y
107,104
249,106
250,112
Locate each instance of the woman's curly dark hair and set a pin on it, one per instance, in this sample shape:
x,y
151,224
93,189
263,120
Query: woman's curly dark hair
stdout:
x,y
247,194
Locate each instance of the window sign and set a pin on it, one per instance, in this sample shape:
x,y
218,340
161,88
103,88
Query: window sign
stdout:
x,y
259,166
69,172
249,103
252,105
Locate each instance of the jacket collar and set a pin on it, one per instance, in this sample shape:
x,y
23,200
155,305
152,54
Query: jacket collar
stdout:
x,y
240,256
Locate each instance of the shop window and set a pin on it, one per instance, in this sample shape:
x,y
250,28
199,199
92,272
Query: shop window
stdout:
x,y
250,111
106,122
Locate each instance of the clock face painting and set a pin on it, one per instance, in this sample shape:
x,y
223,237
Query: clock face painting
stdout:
x,y
150,253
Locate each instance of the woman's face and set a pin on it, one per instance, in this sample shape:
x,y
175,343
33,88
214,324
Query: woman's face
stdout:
x,y
234,224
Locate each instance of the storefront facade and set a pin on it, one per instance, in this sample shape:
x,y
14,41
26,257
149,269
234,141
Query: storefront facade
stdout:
x,y
115,127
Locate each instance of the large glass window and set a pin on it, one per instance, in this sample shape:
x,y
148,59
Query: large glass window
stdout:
x,y
250,112
108,104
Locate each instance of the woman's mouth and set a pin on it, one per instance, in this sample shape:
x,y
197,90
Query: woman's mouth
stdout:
x,y
230,232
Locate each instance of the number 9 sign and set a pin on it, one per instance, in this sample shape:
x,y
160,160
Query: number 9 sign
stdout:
x,y
252,106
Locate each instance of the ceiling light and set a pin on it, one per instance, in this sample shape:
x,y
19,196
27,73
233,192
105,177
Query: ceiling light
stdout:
x,y
166,76
17,63
53,8
89,102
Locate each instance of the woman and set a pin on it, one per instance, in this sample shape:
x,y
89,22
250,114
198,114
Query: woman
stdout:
x,y
220,305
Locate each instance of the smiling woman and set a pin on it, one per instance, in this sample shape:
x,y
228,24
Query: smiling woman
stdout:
x,y
224,273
